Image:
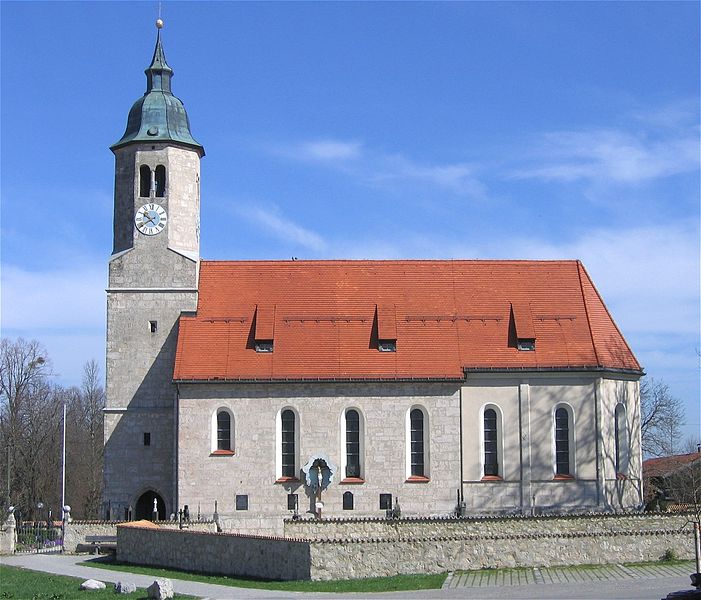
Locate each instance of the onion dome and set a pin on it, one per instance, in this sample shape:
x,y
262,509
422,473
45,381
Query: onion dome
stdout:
x,y
158,116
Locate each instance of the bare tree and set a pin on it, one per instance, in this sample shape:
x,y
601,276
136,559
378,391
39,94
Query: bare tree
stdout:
x,y
662,415
85,443
24,401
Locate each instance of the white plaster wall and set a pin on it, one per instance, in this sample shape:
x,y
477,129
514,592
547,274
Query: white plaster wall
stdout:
x,y
624,489
527,403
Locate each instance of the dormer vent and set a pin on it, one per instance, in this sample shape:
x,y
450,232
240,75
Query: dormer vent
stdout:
x,y
264,327
523,326
386,317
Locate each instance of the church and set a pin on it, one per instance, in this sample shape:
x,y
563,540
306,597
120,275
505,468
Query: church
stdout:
x,y
264,390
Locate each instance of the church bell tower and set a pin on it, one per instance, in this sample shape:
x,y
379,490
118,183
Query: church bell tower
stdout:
x,y
153,274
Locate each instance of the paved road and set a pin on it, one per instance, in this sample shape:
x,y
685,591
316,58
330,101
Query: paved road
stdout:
x,y
644,586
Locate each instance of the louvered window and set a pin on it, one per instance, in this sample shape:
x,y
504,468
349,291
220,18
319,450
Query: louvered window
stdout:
x,y
160,181
144,181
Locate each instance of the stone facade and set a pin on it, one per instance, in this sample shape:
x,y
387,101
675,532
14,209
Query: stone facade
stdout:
x,y
152,279
377,549
253,468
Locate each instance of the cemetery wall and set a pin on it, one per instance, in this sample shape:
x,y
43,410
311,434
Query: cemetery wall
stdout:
x,y
341,549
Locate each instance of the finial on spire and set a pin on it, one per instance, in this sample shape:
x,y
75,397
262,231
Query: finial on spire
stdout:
x,y
159,23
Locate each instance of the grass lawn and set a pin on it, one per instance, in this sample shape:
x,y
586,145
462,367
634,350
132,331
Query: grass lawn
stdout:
x,y
397,583
22,584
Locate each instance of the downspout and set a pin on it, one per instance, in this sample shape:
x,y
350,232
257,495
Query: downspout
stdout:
x,y
461,499
176,427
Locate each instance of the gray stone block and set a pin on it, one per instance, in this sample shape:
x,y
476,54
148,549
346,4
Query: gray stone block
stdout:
x,y
160,589
92,584
123,587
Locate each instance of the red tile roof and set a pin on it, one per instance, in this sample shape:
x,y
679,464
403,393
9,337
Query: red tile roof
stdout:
x,y
664,465
325,318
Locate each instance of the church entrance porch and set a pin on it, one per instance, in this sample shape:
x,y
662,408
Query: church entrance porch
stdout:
x,y
148,504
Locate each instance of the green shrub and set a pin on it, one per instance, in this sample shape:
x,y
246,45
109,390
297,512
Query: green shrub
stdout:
x,y
670,555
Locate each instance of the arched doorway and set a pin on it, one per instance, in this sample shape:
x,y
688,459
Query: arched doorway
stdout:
x,y
144,506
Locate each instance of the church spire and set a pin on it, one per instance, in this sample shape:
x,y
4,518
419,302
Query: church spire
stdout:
x,y
158,73
158,116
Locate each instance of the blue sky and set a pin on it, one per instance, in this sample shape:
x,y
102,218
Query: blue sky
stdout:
x,y
368,130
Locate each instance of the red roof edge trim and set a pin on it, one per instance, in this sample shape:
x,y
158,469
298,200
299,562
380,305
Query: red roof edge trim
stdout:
x,y
446,379
551,369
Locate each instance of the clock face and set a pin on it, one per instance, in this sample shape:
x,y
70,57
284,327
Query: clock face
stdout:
x,y
151,219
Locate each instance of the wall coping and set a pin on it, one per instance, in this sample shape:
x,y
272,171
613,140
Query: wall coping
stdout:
x,y
481,518
219,534
115,523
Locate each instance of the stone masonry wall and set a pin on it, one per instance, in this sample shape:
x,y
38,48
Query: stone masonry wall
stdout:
x,y
77,530
598,524
223,553
342,549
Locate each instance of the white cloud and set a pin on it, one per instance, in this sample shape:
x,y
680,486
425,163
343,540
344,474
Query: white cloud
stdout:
x,y
614,155
378,168
328,150
459,178
53,300
284,229
62,309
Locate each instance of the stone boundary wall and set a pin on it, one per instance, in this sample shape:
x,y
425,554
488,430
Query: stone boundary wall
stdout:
x,y
378,528
405,546
221,553
77,530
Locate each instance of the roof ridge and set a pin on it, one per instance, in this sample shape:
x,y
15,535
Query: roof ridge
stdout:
x,y
350,261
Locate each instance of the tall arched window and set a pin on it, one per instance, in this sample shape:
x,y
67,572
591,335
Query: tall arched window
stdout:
x,y
288,449
621,440
144,181
352,443
222,431
563,452
416,418
491,453
160,181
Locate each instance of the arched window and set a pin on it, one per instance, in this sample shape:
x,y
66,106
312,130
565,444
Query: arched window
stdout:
x,y
417,444
563,442
223,431
288,443
621,440
160,181
353,444
347,500
144,181
491,453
